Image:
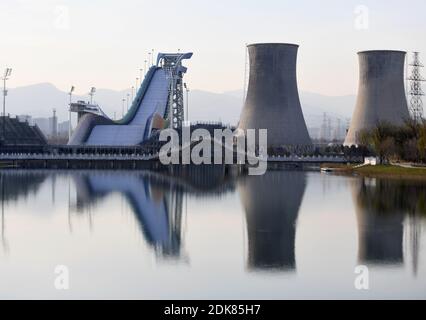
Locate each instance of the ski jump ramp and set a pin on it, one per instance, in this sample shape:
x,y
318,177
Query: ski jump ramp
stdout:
x,y
158,104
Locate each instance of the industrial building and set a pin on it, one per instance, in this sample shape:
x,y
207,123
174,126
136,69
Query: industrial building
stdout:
x,y
381,93
272,100
158,104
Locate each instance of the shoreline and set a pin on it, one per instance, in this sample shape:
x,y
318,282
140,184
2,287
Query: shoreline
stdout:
x,y
379,171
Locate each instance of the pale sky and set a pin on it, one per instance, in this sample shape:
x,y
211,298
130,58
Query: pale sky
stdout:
x,y
103,43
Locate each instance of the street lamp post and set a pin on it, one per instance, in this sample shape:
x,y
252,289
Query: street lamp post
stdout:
x,y
152,56
69,111
122,107
128,96
145,68
187,102
7,74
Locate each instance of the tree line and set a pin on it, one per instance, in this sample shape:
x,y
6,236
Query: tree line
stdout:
x,y
396,143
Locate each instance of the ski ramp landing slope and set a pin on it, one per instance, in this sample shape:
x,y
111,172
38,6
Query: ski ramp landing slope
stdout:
x,y
134,132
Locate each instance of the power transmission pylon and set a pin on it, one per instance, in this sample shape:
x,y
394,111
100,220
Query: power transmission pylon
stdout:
x,y
416,93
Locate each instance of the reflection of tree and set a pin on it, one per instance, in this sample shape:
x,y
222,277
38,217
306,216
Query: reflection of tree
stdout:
x,y
389,196
382,205
272,204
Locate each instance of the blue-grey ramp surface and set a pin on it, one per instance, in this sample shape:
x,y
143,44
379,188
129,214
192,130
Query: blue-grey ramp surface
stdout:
x,y
154,100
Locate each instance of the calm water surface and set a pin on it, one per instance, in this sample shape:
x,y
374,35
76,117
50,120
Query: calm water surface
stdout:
x,y
149,235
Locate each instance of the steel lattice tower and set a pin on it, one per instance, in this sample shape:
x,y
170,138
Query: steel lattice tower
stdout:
x,y
172,64
416,92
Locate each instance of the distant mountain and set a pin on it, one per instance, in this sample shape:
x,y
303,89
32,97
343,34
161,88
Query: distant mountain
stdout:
x,y
208,106
38,101
315,105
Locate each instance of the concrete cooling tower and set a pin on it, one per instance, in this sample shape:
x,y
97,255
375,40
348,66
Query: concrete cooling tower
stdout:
x,y
381,93
272,100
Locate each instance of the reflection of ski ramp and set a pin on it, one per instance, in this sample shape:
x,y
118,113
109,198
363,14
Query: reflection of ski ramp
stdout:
x,y
155,198
151,213
154,100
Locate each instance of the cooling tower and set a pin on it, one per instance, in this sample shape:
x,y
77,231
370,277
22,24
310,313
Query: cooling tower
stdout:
x,y
272,100
381,93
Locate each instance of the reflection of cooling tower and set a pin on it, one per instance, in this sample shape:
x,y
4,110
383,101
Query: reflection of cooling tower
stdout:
x,y
380,221
381,93
272,204
272,98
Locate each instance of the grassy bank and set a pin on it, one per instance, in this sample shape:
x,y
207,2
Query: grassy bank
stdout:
x,y
379,171
388,170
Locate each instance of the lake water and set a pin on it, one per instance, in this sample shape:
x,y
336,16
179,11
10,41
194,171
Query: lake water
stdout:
x,y
209,234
